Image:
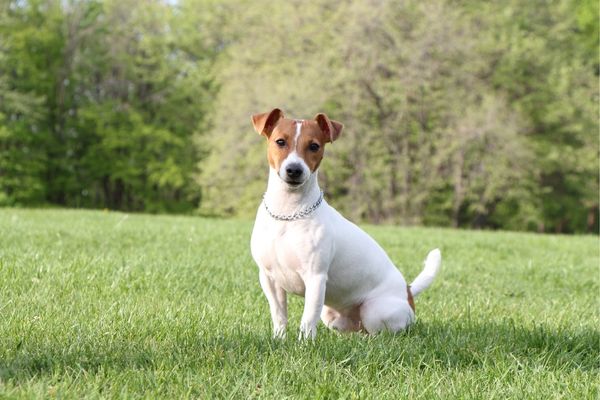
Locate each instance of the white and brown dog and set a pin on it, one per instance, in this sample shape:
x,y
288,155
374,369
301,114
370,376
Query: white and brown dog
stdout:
x,y
304,246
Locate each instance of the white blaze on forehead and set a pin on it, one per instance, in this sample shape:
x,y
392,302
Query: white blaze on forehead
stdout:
x,y
298,131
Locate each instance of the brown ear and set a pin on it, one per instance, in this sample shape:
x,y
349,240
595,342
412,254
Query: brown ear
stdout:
x,y
265,123
331,129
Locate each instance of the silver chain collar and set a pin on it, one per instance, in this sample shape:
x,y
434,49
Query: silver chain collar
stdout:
x,y
298,214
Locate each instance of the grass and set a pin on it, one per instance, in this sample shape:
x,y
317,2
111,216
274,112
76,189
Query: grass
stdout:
x,y
109,305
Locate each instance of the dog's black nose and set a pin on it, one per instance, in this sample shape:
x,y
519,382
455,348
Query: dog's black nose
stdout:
x,y
294,171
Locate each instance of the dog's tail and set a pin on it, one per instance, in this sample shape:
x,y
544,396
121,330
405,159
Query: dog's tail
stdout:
x,y
425,278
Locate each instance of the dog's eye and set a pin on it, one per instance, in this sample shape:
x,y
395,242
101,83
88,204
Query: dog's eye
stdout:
x,y
314,147
280,142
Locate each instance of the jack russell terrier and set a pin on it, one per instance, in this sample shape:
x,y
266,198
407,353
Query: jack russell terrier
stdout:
x,y
302,245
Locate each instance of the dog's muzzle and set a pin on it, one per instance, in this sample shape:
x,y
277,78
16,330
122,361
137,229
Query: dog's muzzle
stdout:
x,y
293,174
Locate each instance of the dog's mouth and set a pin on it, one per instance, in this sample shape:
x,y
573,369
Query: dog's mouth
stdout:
x,y
294,184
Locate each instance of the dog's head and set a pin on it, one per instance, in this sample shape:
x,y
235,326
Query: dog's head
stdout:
x,y
295,147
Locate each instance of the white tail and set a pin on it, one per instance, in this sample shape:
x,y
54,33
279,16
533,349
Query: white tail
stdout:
x,y
425,278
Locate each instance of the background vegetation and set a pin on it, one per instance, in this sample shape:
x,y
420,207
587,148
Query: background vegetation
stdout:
x,y
457,112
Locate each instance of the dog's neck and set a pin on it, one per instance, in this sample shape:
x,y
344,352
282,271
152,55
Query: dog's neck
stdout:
x,y
285,200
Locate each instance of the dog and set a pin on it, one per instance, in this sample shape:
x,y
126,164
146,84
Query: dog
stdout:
x,y
305,247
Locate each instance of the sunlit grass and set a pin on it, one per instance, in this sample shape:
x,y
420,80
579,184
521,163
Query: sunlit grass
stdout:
x,y
102,304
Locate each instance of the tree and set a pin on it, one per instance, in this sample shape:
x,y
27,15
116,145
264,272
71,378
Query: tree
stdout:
x,y
24,90
120,95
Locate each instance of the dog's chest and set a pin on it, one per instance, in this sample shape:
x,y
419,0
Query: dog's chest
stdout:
x,y
279,250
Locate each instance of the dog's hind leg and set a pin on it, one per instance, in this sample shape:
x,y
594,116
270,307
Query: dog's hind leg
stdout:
x,y
386,313
339,322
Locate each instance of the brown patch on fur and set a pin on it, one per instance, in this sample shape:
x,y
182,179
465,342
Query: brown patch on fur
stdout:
x,y
265,123
332,129
311,134
411,300
286,130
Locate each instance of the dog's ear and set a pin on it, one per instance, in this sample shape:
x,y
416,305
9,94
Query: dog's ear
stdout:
x,y
331,129
265,123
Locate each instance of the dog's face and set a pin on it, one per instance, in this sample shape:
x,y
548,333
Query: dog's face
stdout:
x,y
295,150
295,147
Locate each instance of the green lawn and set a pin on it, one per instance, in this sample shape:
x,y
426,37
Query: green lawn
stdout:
x,y
101,304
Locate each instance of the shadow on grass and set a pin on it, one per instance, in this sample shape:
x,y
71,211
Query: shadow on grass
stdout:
x,y
437,344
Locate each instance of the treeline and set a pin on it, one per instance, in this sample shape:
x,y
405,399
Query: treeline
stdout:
x,y
100,103
456,112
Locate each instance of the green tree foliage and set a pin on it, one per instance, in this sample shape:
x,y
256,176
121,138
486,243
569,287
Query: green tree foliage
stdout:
x,y
545,61
24,133
456,112
120,91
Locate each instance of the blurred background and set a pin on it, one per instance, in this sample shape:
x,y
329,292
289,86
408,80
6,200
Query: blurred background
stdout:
x,y
457,113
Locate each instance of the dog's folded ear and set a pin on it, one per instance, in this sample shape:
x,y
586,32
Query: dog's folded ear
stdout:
x,y
265,123
331,129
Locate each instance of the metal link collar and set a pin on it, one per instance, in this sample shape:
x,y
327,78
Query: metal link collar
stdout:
x,y
298,214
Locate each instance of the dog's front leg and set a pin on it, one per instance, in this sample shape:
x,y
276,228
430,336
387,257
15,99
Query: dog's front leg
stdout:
x,y
277,299
314,297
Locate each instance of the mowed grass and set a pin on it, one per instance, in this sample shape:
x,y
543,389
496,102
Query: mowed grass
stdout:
x,y
109,305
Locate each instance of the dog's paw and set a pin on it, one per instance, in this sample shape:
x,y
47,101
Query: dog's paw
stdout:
x,y
307,332
279,332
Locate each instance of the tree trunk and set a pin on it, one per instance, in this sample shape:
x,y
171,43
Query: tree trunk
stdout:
x,y
459,190
592,219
